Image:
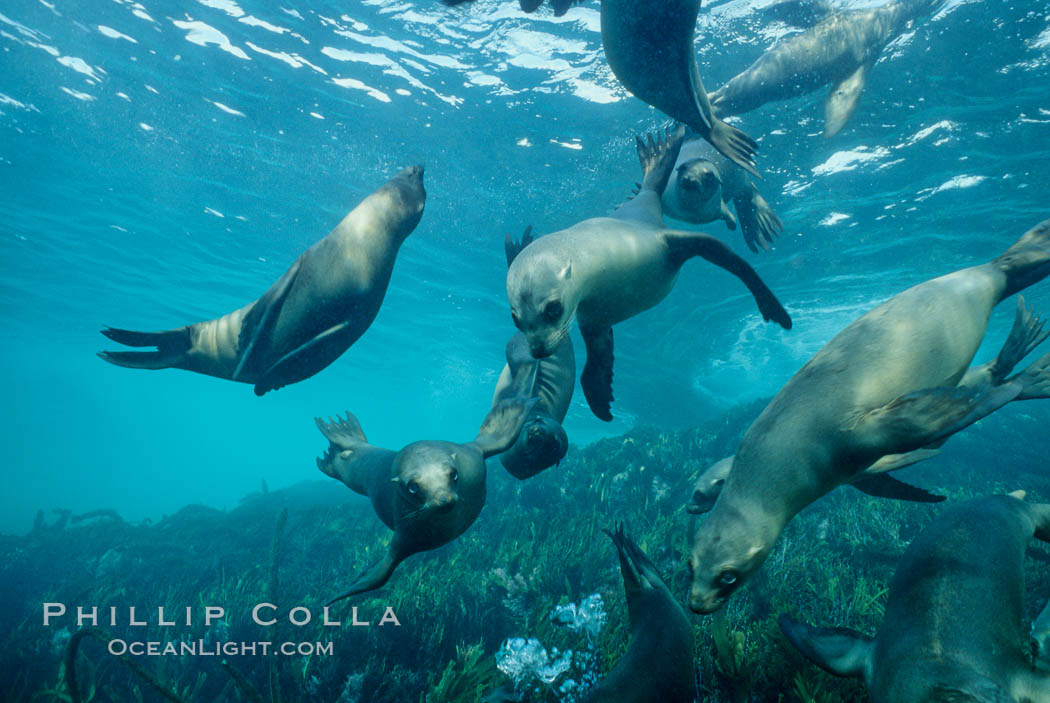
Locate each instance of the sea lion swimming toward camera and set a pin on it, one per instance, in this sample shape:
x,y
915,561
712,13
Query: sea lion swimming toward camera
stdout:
x,y
310,316
606,269
895,380
658,664
550,380
704,182
839,50
428,493
649,47
881,485
952,629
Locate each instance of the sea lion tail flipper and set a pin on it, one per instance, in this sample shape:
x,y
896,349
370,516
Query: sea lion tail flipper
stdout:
x,y
1027,261
512,247
1034,381
596,379
342,433
843,98
734,145
658,158
171,345
376,576
501,427
918,419
837,650
885,486
684,244
758,223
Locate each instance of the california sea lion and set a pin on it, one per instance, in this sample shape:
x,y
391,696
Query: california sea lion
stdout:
x,y
952,629
703,184
607,269
839,50
892,382
310,316
881,485
428,493
550,380
649,46
658,664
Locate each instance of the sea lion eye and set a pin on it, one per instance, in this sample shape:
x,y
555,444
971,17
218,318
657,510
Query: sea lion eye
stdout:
x,y
517,322
454,475
413,487
553,310
726,578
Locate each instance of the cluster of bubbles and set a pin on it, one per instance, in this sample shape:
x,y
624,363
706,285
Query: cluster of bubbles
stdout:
x,y
567,674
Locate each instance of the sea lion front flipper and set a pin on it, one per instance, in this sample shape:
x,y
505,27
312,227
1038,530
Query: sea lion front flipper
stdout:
x,y
837,650
657,158
885,486
596,379
894,462
377,575
843,98
303,361
758,223
502,425
260,321
921,418
512,248
684,245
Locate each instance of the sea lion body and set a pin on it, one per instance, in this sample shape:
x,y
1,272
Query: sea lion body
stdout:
x,y
428,493
311,315
887,384
705,182
953,621
542,442
838,50
606,269
649,47
659,662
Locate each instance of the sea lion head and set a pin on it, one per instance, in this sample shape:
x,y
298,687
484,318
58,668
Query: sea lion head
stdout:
x,y
708,486
542,299
397,206
727,549
543,440
699,187
427,478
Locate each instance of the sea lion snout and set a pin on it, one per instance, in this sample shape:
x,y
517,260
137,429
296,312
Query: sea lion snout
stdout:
x,y
545,440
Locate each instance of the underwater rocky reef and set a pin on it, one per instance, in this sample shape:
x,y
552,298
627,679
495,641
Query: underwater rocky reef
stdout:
x,y
527,605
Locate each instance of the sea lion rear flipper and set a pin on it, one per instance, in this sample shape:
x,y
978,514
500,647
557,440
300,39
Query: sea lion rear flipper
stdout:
x,y
500,429
657,158
172,346
735,145
837,650
512,248
303,361
843,98
758,223
637,570
921,418
597,376
1026,334
259,321
376,576
885,486
684,245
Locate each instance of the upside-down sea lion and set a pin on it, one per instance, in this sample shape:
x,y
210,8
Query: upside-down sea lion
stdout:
x,y
881,485
550,380
952,629
606,269
649,47
428,493
310,316
838,50
704,182
892,382
658,664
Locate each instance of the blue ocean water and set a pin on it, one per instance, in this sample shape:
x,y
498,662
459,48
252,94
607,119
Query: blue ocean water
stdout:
x,y
161,165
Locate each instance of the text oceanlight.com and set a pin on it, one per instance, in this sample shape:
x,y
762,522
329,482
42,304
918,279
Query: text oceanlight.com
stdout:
x,y
200,648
